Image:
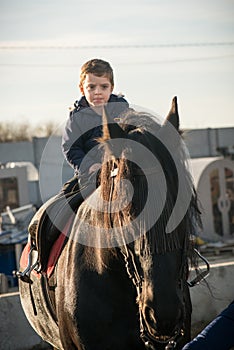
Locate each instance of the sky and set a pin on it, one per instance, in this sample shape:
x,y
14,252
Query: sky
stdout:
x,y
157,48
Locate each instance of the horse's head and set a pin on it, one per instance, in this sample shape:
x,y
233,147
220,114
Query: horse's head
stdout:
x,y
145,208
145,171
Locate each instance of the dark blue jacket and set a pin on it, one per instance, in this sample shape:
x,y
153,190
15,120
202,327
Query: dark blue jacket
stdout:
x,y
84,126
218,335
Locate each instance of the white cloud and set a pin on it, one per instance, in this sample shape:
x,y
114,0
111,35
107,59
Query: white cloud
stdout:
x,y
89,22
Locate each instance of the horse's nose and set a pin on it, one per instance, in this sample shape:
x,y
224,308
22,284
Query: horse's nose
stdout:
x,y
162,323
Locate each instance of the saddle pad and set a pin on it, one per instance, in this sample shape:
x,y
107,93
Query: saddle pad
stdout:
x,y
57,248
54,254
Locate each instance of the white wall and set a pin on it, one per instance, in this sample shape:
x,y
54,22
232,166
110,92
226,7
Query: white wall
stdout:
x,y
204,142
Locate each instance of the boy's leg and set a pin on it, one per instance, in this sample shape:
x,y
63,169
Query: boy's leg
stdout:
x,y
70,186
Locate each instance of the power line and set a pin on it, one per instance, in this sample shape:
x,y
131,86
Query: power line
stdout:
x,y
110,47
162,61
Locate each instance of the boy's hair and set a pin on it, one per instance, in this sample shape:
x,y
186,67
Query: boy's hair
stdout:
x,y
97,67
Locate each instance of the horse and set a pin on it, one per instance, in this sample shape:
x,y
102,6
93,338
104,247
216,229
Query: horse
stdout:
x,y
120,281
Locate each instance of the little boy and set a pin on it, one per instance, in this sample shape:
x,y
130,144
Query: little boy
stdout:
x,y
84,125
82,130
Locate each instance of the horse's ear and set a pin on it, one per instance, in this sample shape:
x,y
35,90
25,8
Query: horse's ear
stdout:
x,y
173,115
111,130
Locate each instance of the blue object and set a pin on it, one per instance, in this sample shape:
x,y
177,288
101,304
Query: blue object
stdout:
x,y
8,263
218,335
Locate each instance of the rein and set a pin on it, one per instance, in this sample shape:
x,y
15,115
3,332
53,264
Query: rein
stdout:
x,y
200,275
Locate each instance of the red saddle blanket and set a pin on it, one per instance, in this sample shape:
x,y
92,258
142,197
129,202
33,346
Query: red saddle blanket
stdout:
x,y
54,253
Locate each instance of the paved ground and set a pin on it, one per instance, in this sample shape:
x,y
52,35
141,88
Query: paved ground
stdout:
x,y
206,305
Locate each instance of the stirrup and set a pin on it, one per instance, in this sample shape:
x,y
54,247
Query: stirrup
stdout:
x,y
25,275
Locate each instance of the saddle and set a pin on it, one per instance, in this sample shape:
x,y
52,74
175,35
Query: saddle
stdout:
x,y
47,225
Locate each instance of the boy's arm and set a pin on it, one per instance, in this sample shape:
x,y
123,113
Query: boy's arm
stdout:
x,y
73,147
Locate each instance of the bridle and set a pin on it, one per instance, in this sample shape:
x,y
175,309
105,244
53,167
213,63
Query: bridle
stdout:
x,y
137,279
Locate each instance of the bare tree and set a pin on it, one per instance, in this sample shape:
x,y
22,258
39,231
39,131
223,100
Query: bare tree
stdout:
x,y
23,131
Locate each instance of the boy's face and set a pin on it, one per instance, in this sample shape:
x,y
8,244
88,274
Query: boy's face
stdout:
x,y
97,90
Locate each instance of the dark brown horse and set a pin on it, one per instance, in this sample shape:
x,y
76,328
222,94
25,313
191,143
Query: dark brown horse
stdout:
x,y
120,282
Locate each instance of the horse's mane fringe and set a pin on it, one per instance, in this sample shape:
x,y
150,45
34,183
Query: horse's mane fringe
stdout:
x,y
114,191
